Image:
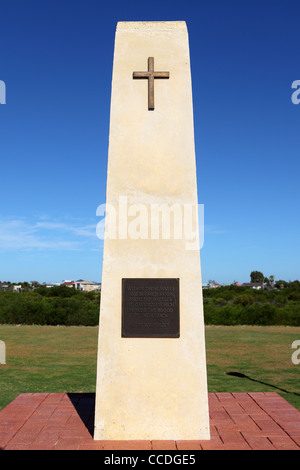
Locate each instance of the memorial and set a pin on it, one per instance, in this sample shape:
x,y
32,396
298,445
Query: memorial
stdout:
x,y
151,371
151,391
2,353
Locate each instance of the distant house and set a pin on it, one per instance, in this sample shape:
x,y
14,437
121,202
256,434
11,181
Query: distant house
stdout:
x,y
17,288
87,286
213,285
68,283
252,285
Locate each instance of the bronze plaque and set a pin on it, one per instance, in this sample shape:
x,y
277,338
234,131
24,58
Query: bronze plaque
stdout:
x,y
150,308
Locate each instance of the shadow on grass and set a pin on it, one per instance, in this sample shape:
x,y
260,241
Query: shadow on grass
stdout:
x,y
240,375
84,404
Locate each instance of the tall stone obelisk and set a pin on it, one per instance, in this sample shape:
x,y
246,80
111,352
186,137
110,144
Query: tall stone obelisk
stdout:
x,y
151,372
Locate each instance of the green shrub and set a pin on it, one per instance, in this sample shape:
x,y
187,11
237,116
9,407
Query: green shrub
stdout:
x,y
295,296
258,314
244,299
220,301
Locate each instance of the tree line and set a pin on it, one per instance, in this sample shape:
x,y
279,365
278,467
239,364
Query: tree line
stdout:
x,y
225,305
58,305
237,305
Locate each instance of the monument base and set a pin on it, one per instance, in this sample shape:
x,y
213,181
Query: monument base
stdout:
x,y
53,421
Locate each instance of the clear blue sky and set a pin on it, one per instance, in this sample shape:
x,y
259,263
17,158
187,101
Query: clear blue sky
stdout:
x,y
56,60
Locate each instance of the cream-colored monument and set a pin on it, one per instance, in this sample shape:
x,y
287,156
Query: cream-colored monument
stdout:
x,y
2,353
151,372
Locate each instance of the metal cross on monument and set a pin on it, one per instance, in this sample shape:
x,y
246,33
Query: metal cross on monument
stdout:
x,y
150,75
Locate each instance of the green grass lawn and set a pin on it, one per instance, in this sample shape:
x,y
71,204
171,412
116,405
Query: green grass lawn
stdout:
x,y
260,354
63,359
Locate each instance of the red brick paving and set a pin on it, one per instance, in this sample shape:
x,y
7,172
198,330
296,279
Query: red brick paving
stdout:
x,y
61,421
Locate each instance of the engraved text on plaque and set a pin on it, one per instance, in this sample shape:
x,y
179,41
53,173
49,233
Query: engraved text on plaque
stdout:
x,y
150,307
